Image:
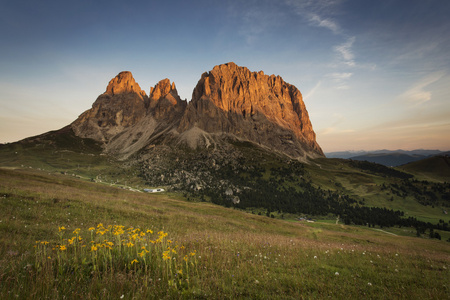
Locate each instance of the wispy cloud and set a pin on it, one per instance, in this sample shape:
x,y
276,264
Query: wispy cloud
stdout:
x,y
323,13
337,119
311,92
253,26
340,80
254,18
326,23
345,52
420,92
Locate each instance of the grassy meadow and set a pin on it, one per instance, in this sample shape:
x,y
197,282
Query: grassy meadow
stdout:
x,y
64,238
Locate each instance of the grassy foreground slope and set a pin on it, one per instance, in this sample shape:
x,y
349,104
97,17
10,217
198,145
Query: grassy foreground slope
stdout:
x,y
237,255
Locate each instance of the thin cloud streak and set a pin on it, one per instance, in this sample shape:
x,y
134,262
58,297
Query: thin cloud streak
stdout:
x,y
312,91
345,52
326,23
418,94
340,80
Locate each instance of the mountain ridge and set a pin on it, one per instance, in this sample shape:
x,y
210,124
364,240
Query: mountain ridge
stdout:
x,y
229,101
390,158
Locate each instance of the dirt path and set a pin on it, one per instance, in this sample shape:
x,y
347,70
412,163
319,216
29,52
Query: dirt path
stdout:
x,y
385,231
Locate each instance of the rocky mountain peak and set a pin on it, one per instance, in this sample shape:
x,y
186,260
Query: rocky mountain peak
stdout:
x,y
253,106
165,102
124,83
162,89
229,102
121,106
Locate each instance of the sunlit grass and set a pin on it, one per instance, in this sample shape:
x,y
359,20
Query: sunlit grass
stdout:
x,y
52,246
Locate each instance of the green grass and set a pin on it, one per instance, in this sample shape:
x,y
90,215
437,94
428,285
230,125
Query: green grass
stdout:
x,y
239,255
337,174
436,168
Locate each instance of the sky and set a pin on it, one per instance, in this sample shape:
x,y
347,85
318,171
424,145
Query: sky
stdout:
x,y
373,74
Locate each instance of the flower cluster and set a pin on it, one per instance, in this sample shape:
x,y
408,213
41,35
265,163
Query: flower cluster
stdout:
x,y
102,249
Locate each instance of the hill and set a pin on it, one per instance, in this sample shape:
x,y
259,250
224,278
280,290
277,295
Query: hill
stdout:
x,y
436,168
229,253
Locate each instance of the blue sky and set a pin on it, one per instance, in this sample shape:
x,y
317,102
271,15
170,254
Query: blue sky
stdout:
x,y
373,74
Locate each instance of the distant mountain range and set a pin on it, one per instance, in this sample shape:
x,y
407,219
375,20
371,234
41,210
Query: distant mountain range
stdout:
x,y
391,158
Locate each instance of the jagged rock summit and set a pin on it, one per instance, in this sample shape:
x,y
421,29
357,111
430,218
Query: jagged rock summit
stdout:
x,y
229,102
123,104
124,83
252,106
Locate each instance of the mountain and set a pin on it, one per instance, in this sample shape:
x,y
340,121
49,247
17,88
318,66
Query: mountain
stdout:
x,y
390,158
344,154
122,105
229,102
252,106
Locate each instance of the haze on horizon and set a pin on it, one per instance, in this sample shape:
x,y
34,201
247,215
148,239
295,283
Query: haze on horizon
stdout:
x,y
373,74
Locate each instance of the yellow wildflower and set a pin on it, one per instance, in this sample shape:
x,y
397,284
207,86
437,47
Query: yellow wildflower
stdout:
x,y
91,228
130,244
134,261
185,258
149,231
62,248
166,255
118,231
76,231
94,248
62,228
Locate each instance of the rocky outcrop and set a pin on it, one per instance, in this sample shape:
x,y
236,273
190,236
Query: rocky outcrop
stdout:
x,y
124,83
165,103
252,106
121,106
